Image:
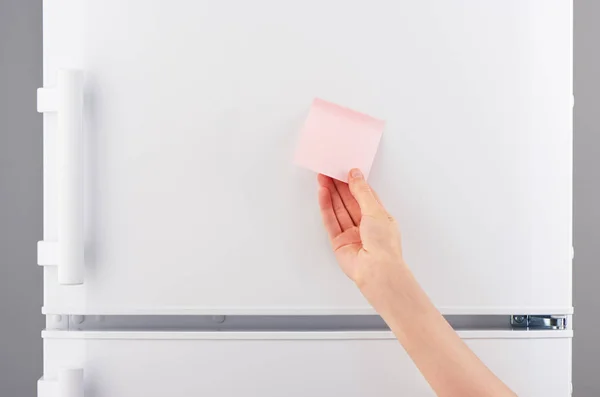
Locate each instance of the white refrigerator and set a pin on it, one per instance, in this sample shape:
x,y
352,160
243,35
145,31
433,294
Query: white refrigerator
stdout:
x,y
183,251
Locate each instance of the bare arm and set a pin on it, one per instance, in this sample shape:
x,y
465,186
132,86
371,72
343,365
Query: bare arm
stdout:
x,y
366,243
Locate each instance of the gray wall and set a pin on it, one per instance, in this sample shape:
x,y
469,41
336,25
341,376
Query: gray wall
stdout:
x,y
586,272
21,198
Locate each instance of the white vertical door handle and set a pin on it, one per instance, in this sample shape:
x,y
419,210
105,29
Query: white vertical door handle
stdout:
x,y
70,383
66,99
70,177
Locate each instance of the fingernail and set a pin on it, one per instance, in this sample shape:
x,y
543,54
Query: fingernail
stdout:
x,y
355,173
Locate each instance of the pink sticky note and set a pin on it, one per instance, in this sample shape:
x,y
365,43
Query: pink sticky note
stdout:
x,y
336,139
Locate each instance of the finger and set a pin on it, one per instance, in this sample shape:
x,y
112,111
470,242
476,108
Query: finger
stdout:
x,y
364,195
329,219
340,210
349,201
390,218
323,180
328,215
378,199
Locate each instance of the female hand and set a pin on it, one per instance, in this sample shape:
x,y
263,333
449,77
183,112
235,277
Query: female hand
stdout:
x,y
366,242
364,237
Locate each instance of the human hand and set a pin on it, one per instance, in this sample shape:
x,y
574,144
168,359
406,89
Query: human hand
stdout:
x,y
366,243
364,237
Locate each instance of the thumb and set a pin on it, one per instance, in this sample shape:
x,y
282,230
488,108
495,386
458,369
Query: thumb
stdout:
x,y
364,195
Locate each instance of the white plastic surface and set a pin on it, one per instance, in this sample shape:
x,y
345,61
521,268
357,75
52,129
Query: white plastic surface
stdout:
x,y
47,253
47,100
294,365
68,382
192,111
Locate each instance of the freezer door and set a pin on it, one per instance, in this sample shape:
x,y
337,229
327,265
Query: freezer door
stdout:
x,y
348,364
191,111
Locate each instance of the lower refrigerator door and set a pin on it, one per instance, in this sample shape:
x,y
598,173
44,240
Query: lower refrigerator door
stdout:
x,y
273,364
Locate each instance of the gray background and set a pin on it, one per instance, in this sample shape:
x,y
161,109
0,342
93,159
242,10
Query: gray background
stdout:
x,y
21,199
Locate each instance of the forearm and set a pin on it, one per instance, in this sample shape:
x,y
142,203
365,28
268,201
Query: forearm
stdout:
x,y
445,361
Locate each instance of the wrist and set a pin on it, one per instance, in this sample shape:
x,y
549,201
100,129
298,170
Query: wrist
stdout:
x,y
391,287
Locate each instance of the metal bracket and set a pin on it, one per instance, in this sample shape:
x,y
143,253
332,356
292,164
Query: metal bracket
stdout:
x,y
538,321
57,322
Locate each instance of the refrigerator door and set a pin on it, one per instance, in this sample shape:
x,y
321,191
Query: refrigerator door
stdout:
x,y
124,364
182,195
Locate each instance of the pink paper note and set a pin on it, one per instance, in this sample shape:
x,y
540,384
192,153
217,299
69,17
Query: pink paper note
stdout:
x,y
336,139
